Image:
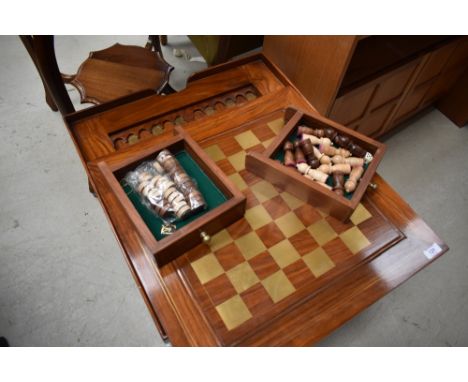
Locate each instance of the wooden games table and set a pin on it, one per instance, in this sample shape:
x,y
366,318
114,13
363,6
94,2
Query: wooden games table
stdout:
x,y
284,274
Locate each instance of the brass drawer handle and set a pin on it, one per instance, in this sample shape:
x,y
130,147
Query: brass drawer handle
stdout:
x,y
205,237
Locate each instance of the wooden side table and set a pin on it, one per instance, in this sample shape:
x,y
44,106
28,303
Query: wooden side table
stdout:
x,y
286,273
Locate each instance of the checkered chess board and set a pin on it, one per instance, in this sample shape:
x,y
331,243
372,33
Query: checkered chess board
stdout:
x,y
283,249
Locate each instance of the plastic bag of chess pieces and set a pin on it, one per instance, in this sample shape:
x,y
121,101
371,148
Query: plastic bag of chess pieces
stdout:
x,y
331,160
165,188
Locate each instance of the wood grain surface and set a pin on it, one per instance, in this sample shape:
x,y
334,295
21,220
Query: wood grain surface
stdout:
x,y
368,261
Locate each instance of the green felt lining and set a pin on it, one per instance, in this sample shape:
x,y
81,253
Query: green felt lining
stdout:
x,y
212,194
279,156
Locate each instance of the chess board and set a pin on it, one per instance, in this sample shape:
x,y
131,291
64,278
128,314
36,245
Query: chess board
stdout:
x,y
282,251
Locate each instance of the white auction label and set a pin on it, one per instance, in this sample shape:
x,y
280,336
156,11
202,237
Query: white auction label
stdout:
x,y
432,251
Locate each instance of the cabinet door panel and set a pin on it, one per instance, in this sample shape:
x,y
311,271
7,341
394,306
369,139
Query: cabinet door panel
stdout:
x,y
442,85
411,103
392,86
436,62
374,122
353,105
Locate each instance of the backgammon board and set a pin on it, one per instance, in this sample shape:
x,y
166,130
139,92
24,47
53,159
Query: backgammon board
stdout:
x,y
284,274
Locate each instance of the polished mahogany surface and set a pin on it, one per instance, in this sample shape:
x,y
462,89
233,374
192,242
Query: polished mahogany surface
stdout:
x,y
286,273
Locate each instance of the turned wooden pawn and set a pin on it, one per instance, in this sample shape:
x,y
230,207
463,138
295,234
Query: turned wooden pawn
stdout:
x,y
332,151
323,159
344,168
315,140
309,172
354,176
289,159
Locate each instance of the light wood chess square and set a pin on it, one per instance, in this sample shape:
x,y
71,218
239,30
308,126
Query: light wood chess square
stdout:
x,y
215,153
354,240
360,214
207,268
276,125
278,286
237,160
284,253
289,224
291,200
247,139
250,245
322,232
233,312
238,181
267,142
264,191
257,216
220,240
242,277
318,262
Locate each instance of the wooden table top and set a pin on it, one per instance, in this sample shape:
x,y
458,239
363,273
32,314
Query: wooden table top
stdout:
x,y
285,274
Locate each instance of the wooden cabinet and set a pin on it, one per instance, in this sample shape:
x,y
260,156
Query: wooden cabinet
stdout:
x,y
372,83
368,107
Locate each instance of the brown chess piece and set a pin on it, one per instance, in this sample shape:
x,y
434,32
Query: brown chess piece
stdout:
x,y
289,159
308,150
356,150
298,153
330,133
342,141
338,183
308,130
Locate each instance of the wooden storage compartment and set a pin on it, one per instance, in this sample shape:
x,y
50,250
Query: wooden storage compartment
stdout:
x,y
224,203
349,78
376,55
368,106
390,78
266,165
